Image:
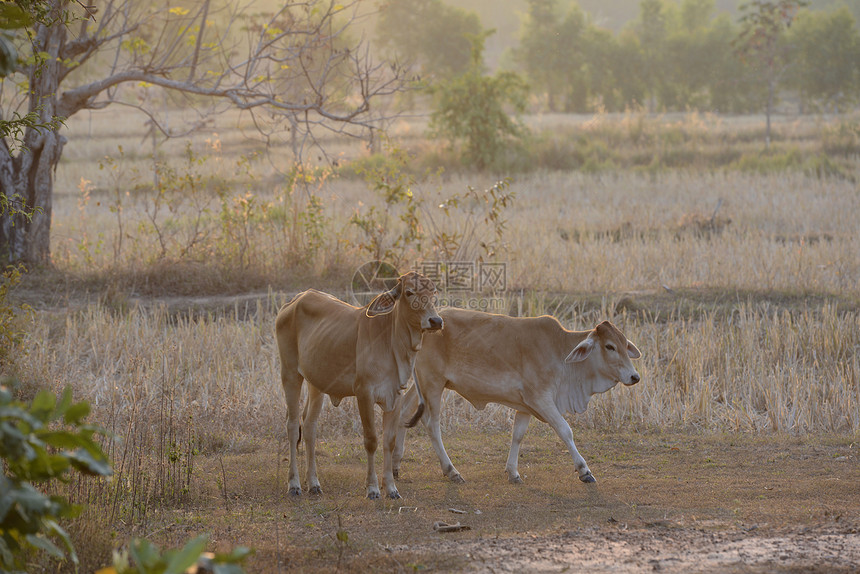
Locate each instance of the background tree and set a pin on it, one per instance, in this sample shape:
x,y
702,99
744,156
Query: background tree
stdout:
x,y
629,70
729,89
652,43
473,109
600,48
761,44
826,50
687,58
299,64
428,34
539,54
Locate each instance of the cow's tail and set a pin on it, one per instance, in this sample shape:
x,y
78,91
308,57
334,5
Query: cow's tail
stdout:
x,y
420,410
302,423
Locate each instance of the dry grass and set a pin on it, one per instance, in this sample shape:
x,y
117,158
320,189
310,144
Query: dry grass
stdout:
x,y
747,314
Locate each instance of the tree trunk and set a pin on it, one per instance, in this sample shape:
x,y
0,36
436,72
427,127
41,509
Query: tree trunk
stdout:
x,y
770,90
27,179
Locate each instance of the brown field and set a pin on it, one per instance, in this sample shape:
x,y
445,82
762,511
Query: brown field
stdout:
x,y
670,501
737,452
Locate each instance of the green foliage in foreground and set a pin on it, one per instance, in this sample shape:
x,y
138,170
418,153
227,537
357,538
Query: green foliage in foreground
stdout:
x,y
143,557
47,440
41,441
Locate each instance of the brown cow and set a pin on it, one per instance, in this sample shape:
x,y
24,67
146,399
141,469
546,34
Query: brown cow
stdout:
x,y
343,351
533,365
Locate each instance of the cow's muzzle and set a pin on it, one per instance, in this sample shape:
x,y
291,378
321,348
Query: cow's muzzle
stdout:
x,y
634,378
436,324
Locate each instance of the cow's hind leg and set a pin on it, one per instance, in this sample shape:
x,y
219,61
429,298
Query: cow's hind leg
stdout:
x,y
314,407
521,424
433,400
368,423
292,382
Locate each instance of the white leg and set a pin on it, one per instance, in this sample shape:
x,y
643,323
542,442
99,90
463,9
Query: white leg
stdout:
x,y
410,401
521,425
292,383
434,429
562,429
314,407
390,422
368,423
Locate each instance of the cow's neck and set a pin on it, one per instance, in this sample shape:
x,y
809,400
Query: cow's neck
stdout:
x,y
405,343
577,379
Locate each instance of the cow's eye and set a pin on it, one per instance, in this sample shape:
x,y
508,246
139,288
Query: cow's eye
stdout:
x,y
610,347
410,292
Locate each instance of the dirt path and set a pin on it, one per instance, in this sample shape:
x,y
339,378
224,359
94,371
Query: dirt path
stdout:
x,y
655,550
667,502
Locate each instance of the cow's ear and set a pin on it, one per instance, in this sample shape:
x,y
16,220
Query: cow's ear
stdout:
x,y
632,351
384,302
581,351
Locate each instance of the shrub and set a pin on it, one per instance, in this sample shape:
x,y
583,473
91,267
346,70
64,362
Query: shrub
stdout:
x,y
42,441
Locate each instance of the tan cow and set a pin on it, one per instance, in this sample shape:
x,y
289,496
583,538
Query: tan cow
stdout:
x,y
533,365
343,351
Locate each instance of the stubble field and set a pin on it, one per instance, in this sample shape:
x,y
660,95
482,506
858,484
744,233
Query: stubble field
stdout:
x,y
736,452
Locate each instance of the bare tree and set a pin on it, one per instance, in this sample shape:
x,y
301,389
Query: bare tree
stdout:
x,y
301,69
761,44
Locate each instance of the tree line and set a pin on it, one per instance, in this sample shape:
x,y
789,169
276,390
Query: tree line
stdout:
x,y
676,56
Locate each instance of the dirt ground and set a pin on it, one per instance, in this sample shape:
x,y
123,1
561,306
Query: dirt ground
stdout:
x,y
669,502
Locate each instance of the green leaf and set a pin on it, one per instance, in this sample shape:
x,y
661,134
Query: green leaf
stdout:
x,y
8,57
13,17
42,543
15,412
77,412
64,403
61,439
30,500
87,463
53,528
43,405
237,555
144,554
6,556
188,556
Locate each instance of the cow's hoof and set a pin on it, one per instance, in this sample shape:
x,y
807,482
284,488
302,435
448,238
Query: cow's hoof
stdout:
x,y
588,478
315,490
394,495
515,479
295,491
373,495
458,479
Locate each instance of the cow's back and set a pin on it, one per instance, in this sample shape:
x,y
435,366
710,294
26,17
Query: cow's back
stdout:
x,y
316,336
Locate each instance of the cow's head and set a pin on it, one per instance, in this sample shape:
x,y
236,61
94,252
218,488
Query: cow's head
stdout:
x,y
608,352
417,296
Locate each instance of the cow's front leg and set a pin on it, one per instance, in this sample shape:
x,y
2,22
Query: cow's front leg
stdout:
x,y
368,423
390,422
521,424
562,429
